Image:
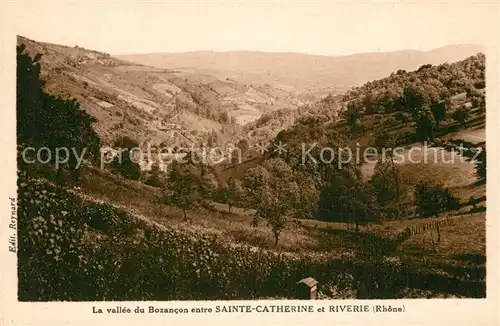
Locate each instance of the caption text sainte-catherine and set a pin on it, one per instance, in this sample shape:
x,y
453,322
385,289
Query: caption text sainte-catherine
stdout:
x,y
346,308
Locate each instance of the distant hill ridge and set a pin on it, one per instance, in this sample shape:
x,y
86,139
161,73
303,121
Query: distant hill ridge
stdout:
x,y
305,70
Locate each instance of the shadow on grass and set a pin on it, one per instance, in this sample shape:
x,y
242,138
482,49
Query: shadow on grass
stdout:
x,y
469,273
445,284
477,259
477,210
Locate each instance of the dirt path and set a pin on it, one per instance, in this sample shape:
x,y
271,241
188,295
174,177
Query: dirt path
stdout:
x,y
475,136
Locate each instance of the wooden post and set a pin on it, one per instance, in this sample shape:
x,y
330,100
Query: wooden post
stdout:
x,y
306,289
439,234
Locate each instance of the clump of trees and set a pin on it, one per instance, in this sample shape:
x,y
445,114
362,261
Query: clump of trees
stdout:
x,y
424,94
333,182
461,115
432,199
231,194
125,163
349,200
190,184
324,186
156,177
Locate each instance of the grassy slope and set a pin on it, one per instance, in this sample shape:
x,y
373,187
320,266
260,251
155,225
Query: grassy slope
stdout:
x,y
236,226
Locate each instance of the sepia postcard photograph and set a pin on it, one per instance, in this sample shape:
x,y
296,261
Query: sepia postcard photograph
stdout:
x,y
170,162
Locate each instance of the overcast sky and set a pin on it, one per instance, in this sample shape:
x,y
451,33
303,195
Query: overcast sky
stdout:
x,y
314,27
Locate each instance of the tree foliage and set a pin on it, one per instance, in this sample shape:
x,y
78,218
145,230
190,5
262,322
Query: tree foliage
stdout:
x,y
274,193
184,184
190,185
438,110
461,115
231,194
385,182
125,162
425,125
45,120
244,146
405,91
432,199
349,200
352,115
156,177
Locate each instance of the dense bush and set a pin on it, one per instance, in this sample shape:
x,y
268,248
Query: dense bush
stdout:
x,y
349,200
434,199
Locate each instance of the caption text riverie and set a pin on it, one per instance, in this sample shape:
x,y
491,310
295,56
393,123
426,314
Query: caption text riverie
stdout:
x,y
345,308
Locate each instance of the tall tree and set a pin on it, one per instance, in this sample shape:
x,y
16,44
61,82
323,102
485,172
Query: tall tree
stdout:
x,y
254,182
273,193
234,193
461,115
438,110
352,116
385,143
185,186
385,182
432,199
425,125
244,146
368,103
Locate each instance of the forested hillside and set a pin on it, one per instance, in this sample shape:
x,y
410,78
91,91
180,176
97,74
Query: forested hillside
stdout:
x,y
403,90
